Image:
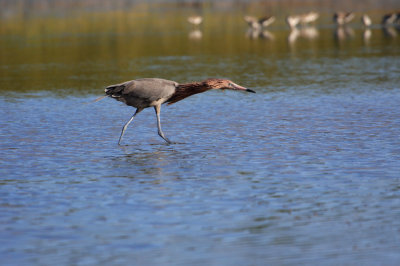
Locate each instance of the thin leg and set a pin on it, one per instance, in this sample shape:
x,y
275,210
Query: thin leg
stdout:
x,y
158,109
127,123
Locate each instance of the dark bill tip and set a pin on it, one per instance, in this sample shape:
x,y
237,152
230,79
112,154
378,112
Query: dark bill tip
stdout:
x,y
250,90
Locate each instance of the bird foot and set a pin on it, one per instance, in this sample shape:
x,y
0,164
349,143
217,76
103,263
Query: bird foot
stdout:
x,y
168,141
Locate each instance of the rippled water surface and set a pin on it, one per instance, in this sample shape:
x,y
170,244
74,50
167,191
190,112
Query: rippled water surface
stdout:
x,y
305,171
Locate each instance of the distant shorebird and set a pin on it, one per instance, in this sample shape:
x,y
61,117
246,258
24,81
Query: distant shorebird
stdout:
x,y
366,20
308,17
302,19
293,21
342,18
153,92
257,24
390,19
195,20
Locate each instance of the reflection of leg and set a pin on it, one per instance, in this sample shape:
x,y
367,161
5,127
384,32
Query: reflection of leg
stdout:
x,y
126,125
157,108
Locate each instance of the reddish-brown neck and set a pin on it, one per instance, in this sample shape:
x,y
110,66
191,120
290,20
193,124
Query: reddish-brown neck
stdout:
x,y
185,90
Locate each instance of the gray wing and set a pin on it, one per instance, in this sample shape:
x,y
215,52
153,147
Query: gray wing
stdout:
x,y
142,93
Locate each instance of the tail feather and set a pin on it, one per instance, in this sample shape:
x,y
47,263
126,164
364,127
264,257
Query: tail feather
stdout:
x,y
115,91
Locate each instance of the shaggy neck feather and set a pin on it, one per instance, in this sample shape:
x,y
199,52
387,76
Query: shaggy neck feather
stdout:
x,y
185,90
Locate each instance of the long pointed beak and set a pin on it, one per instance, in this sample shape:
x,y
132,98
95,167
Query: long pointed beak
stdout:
x,y
240,88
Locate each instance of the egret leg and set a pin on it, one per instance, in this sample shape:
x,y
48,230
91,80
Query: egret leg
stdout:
x,y
138,110
157,108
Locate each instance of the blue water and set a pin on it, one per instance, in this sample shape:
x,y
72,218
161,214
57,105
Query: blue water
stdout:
x,y
305,171
280,177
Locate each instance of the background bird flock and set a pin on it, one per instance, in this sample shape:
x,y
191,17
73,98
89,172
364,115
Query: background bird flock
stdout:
x,y
304,24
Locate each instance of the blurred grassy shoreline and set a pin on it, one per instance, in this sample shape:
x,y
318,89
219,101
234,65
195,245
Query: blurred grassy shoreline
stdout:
x,y
72,44
26,8
33,18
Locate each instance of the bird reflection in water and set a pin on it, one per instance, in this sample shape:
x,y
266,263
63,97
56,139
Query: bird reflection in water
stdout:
x,y
367,34
141,161
309,33
390,31
259,34
343,33
195,33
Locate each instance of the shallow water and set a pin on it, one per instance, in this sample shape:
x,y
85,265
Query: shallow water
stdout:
x,y
305,171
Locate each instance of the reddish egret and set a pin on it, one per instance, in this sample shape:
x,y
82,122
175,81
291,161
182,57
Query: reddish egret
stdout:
x,y
153,92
